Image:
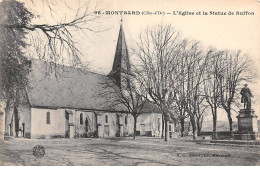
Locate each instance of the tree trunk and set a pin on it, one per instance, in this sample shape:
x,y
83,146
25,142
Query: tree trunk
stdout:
x,y
135,120
182,126
166,119
214,134
230,120
166,138
230,123
6,117
198,127
163,121
194,127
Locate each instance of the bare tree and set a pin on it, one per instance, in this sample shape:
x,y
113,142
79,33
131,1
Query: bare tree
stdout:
x,y
200,115
212,84
128,96
58,41
238,67
181,113
158,49
194,67
180,94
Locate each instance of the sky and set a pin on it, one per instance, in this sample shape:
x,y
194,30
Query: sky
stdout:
x,y
221,31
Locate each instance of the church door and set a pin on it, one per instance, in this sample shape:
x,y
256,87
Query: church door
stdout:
x,y
106,130
142,129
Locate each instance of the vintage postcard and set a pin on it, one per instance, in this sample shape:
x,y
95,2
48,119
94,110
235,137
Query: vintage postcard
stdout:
x,y
129,83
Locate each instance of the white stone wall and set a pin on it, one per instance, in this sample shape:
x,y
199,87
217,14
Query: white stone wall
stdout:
x,y
149,121
129,127
80,129
126,126
111,124
144,119
156,124
39,127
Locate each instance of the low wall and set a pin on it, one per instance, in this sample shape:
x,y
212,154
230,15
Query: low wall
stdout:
x,y
220,134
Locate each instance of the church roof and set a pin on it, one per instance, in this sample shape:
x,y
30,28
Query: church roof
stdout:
x,y
70,88
57,86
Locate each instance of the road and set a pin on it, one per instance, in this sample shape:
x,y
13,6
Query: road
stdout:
x,y
125,151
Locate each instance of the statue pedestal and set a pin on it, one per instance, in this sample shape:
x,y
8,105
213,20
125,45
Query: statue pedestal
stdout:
x,y
247,125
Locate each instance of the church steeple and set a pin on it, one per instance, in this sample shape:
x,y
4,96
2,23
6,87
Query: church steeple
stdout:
x,y
121,66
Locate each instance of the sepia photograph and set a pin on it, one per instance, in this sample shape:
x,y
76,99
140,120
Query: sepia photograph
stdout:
x,y
129,83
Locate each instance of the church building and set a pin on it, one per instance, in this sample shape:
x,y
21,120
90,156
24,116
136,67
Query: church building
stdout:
x,y
64,103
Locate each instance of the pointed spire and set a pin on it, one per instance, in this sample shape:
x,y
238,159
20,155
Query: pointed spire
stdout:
x,y
121,63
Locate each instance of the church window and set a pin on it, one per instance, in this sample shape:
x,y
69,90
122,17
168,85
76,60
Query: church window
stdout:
x,y
48,118
81,118
106,118
125,120
86,125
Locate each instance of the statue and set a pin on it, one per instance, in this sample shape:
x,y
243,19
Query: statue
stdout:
x,y
246,120
246,97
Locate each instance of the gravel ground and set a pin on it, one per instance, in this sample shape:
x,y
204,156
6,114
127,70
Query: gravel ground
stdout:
x,y
125,151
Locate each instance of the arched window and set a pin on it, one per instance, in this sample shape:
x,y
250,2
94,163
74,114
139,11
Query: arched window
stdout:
x,y
48,118
125,120
81,118
106,119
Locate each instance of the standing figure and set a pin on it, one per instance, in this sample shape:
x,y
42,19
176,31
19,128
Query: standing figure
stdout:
x,y
246,97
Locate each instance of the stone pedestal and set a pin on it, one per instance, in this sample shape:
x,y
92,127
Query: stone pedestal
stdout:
x,y
247,125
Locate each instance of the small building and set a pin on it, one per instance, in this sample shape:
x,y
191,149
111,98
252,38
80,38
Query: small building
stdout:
x,y
65,103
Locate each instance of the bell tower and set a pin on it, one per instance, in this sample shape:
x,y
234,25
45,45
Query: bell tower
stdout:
x,y
121,67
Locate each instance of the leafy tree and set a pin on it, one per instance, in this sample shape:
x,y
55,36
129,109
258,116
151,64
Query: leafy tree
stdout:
x,y
14,66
